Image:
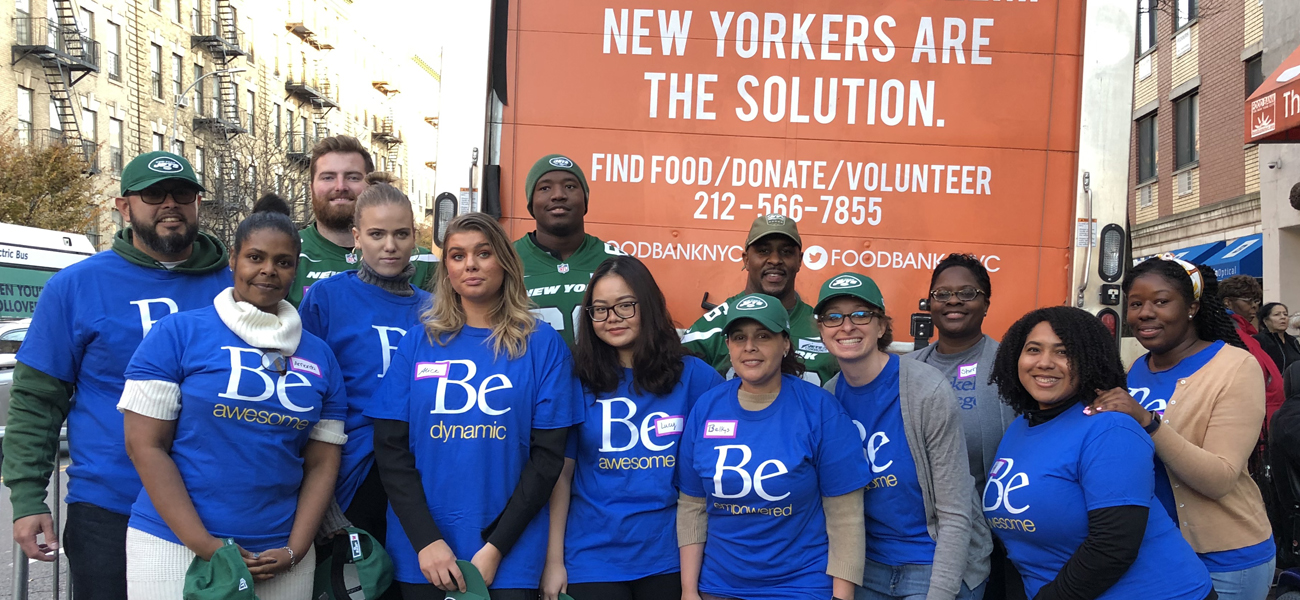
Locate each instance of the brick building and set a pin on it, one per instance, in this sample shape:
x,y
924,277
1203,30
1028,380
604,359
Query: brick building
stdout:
x,y
1194,183
250,86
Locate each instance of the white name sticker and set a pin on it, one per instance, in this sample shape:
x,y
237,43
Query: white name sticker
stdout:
x,y
719,429
670,426
426,370
812,346
965,371
303,365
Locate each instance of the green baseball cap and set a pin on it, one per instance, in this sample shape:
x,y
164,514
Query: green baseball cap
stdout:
x,y
152,167
224,577
766,225
475,587
554,162
850,284
357,568
760,307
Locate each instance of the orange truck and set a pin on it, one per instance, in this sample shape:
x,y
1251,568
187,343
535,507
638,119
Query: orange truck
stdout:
x,y
892,131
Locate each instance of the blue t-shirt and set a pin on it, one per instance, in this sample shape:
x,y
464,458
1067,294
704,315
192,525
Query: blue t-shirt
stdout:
x,y
363,325
88,322
895,509
622,521
471,413
241,429
1047,478
763,475
1153,390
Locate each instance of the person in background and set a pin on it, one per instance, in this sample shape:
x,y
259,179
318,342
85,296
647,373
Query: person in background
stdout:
x,y
770,474
470,425
772,258
1071,496
1241,295
1199,396
1281,346
928,537
340,167
363,315
614,510
233,417
88,322
559,257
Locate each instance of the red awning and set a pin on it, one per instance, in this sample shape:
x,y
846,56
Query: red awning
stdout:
x,y
1273,111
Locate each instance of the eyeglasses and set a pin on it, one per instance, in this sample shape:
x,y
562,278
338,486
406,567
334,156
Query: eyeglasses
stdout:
x,y
965,294
857,317
624,310
274,361
157,196
1250,301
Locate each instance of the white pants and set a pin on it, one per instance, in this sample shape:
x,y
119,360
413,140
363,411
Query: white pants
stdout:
x,y
155,570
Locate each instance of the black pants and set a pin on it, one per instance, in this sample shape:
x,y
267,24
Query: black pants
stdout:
x,y
428,591
655,587
369,511
1004,580
94,540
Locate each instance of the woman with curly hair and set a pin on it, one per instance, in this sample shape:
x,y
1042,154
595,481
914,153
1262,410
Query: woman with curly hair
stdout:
x,y
1072,498
1200,396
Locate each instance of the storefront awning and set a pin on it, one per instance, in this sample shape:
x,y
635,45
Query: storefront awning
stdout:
x,y
1245,256
1273,111
1192,254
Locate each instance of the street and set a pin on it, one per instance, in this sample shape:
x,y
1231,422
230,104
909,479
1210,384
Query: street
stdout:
x,y
40,574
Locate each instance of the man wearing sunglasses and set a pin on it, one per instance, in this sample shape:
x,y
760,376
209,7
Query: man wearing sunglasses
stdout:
x,y
772,258
87,324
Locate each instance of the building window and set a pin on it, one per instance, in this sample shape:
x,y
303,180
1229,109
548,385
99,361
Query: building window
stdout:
x,y
56,123
1187,10
252,111
86,23
1147,144
276,110
115,143
288,115
156,5
24,116
155,68
198,89
176,11
1254,74
307,140
157,142
178,148
199,164
114,45
1146,29
178,83
90,126
1186,134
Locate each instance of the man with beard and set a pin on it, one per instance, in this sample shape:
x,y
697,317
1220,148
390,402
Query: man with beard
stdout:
x,y
87,324
773,256
559,257
339,166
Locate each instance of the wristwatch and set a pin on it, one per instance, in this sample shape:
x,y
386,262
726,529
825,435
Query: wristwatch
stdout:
x,y
1154,424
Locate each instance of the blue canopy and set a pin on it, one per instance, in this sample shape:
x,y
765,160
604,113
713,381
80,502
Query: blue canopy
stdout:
x,y
1192,254
1245,256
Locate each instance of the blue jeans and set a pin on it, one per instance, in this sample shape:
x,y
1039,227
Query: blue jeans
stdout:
x,y
905,582
1246,584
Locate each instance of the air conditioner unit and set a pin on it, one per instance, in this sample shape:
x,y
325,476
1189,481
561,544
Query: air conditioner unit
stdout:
x,y
183,101
1184,182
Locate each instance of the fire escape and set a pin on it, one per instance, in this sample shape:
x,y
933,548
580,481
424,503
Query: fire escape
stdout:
x,y
66,57
311,87
218,35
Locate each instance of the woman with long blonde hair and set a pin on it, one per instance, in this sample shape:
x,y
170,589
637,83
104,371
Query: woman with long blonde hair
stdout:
x,y
471,423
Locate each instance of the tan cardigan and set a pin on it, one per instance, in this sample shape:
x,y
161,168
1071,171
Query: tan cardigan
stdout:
x,y
1210,428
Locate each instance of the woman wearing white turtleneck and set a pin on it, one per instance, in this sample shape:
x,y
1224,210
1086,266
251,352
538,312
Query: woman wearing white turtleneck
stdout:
x,y
233,417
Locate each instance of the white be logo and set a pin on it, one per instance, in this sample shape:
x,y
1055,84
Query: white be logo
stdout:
x,y
1001,483
607,421
747,483
280,387
472,395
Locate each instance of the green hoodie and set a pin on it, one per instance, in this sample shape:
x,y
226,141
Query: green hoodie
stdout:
x,y
39,403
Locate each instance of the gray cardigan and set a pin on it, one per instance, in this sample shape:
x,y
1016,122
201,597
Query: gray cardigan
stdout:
x,y
953,514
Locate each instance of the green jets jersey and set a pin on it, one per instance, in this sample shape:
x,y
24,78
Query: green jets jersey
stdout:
x,y
705,339
321,259
556,286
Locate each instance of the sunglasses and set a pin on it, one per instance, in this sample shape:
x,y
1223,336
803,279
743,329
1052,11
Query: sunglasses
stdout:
x,y
157,196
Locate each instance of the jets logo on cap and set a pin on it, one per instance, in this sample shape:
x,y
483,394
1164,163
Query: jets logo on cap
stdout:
x,y
751,303
561,162
776,219
163,164
844,282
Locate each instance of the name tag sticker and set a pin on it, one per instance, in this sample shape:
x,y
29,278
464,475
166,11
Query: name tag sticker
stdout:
x,y
303,365
965,371
669,426
719,429
814,346
426,370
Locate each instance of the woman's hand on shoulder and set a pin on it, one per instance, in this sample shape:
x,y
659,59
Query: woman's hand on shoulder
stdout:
x,y
438,563
1118,400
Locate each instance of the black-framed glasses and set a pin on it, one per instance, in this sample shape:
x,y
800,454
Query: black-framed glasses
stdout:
x,y
857,317
274,361
157,196
624,310
965,294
